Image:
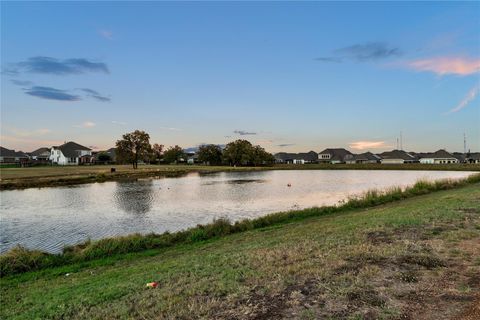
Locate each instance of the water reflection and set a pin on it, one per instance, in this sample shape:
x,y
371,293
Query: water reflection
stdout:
x,y
134,197
50,218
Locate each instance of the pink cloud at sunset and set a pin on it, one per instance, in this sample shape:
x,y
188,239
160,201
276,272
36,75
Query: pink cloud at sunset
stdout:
x,y
363,145
447,65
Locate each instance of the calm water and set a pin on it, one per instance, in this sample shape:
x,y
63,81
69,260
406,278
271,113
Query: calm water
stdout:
x,y
51,218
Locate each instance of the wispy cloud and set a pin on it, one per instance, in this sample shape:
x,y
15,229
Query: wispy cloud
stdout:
x,y
244,133
49,65
370,51
461,66
51,94
21,82
27,143
107,34
363,145
120,123
471,95
285,145
95,95
86,124
27,133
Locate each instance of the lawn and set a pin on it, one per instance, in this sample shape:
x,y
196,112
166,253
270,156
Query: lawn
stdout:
x,y
413,259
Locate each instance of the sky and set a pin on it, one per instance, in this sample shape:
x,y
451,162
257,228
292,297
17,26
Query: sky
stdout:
x,y
290,76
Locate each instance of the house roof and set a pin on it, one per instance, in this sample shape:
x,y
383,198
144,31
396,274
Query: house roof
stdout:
x,y
474,155
337,154
440,154
71,149
366,156
396,154
4,152
40,151
307,156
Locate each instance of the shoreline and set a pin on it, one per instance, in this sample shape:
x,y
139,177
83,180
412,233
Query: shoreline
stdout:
x,y
21,260
42,177
379,261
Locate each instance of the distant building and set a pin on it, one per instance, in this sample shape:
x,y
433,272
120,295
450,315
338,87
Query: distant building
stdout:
x,y
438,157
473,157
296,158
12,156
335,155
366,157
396,157
71,153
112,153
41,154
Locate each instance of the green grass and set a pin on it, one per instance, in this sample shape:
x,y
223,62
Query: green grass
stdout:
x,y
20,260
374,261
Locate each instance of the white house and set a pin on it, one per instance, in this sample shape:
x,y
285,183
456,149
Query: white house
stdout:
x,y
439,157
70,153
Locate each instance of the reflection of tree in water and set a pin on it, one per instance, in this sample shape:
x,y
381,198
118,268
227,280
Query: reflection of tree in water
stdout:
x,y
134,197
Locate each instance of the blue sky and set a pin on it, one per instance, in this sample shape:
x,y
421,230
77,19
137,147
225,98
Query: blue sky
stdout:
x,y
288,76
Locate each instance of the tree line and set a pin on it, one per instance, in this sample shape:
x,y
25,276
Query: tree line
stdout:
x,y
135,147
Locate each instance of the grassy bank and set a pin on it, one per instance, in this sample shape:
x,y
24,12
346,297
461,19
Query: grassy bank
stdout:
x,y
51,176
20,260
410,259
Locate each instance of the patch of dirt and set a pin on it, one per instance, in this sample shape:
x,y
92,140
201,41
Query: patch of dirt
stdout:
x,y
471,313
260,306
379,237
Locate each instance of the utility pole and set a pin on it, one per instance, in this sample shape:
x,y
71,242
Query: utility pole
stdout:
x,y
401,141
464,143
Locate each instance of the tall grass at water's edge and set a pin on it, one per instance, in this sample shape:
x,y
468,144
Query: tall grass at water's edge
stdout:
x,y
19,259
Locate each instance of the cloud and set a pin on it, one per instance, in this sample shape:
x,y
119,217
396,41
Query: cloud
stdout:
x,y
94,94
471,95
362,145
285,145
370,51
107,34
461,66
21,83
48,65
27,133
28,143
51,94
244,133
86,124
120,123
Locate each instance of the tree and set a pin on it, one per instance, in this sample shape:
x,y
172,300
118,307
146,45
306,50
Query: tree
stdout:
x,y
261,157
104,157
173,154
210,154
157,152
134,146
238,152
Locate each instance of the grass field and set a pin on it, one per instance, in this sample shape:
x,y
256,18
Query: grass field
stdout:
x,y
412,259
13,178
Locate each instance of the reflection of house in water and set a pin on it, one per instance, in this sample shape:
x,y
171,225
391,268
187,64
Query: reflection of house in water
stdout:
x,y
134,197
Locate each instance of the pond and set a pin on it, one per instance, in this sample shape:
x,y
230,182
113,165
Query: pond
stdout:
x,y
50,218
